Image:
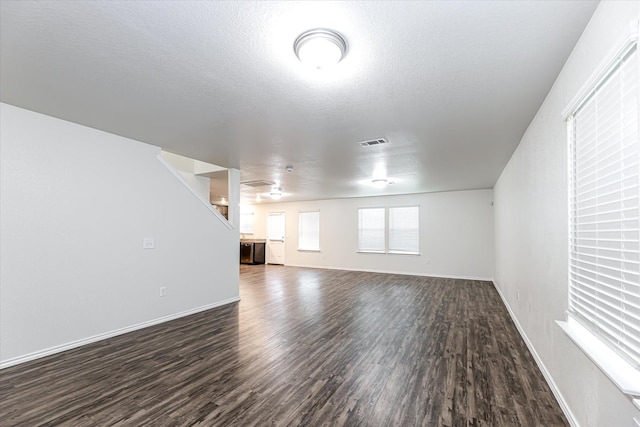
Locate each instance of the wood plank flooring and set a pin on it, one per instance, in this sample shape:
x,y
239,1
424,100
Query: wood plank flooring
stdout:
x,y
304,347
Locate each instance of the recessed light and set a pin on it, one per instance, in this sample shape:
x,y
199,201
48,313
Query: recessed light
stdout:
x,y
320,47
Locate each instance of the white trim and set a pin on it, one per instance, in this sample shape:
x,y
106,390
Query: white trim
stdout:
x,y
184,182
78,343
361,251
602,71
547,376
403,253
402,273
618,370
308,250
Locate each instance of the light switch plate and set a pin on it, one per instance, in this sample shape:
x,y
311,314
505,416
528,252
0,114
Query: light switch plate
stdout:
x,y
148,243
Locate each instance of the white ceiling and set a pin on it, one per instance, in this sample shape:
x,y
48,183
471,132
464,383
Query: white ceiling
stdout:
x,y
451,84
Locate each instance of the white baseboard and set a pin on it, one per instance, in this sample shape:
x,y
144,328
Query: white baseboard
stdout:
x,y
74,344
442,276
547,376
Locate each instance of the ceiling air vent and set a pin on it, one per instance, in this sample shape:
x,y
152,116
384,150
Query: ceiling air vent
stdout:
x,y
258,183
373,142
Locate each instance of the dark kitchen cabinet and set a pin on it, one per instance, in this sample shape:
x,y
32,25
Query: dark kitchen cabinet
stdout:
x,y
252,252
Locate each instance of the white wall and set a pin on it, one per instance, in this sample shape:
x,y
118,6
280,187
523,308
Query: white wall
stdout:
x,y
456,234
531,231
75,205
187,168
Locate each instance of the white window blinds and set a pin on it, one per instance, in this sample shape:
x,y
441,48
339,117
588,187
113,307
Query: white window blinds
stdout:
x,y
246,222
275,226
604,288
309,231
371,229
404,233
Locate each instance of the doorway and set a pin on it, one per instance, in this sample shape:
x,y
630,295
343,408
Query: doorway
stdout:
x,y
275,238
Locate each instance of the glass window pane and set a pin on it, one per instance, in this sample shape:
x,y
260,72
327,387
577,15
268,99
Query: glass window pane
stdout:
x,y
371,229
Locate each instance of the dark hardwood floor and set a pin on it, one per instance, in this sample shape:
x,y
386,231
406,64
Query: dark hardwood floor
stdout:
x,y
304,347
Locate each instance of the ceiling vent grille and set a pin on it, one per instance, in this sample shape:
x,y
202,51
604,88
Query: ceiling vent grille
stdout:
x,y
373,142
258,183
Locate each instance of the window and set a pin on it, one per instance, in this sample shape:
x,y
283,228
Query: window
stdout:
x,y
309,231
400,236
275,226
404,234
604,261
246,222
371,229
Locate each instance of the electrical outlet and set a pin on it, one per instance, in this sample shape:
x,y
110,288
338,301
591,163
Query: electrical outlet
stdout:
x,y
148,243
163,291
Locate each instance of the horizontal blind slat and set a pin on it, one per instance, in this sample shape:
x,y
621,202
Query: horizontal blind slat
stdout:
x,y
622,311
612,330
626,297
604,261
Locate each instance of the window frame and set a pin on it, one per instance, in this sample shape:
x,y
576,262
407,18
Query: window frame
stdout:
x,y
270,230
373,251
610,360
244,223
386,250
304,249
388,245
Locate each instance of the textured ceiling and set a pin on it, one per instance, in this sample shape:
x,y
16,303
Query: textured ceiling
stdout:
x,y
451,84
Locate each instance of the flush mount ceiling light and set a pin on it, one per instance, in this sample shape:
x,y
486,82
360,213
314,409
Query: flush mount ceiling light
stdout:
x,y
320,47
276,193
